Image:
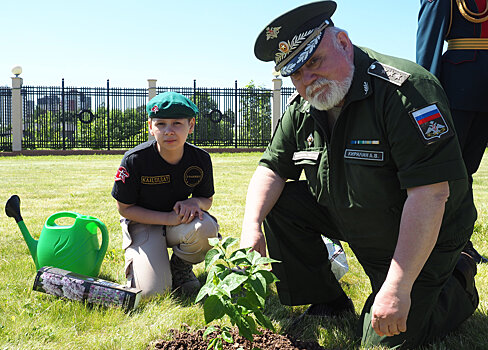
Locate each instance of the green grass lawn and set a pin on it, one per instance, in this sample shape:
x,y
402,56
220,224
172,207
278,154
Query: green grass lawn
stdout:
x,y
48,184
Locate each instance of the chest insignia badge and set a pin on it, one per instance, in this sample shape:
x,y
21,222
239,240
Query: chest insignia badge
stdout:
x,y
193,176
310,140
431,124
366,87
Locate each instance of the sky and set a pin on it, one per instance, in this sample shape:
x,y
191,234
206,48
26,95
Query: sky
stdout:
x,y
176,42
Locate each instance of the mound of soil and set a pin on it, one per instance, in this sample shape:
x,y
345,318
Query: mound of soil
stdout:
x,y
265,341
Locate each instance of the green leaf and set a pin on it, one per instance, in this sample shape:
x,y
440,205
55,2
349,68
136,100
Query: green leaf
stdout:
x,y
216,343
242,263
211,257
213,309
232,281
238,252
252,324
254,298
265,260
254,256
267,275
221,272
208,331
244,329
228,242
213,275
238,257
203,292
263,320
258,283
247,304
227,336
214,241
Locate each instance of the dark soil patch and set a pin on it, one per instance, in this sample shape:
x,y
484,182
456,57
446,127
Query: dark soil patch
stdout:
x,y
265,341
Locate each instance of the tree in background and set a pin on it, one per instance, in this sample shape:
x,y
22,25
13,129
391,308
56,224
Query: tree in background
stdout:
x,y
255,113
212,126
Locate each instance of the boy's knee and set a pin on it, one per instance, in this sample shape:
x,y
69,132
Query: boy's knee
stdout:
x,y
195,245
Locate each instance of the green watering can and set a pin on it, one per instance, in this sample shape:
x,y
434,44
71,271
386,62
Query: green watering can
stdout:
x,y
74,248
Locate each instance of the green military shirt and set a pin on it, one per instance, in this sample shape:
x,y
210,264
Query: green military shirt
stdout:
x,y
394,132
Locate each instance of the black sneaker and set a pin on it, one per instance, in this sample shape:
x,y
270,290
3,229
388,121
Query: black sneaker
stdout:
x,y
339,307
465,271
184,279
332,309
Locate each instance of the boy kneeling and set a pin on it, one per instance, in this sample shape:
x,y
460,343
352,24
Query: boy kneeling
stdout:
x,y
164,189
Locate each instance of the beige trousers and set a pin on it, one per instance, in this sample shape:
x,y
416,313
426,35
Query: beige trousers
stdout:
x,y
146,254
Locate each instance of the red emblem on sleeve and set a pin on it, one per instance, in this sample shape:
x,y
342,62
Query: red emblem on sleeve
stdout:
x,y
122,174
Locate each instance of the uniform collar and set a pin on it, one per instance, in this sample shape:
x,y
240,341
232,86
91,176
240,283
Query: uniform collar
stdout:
x,y
361,86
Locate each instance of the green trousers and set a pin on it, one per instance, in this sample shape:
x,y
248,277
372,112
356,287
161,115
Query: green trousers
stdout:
x,y
293,232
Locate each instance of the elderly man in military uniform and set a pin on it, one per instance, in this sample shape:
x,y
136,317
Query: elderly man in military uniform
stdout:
x,y
462,70
384,172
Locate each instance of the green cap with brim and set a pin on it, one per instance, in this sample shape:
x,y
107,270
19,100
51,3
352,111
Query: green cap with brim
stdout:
x,y
291,39
171,105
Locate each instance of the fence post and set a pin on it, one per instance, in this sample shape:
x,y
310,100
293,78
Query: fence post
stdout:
x,y
151,92
236,106
276,104
108,114
17,128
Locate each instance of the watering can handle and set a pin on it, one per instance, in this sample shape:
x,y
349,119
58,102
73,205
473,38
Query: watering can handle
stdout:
x,y
50,222
103,245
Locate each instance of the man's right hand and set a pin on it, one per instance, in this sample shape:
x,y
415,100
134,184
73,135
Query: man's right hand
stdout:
x,y
253,238
264,190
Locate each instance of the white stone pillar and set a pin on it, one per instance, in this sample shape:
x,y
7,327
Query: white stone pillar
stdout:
x,y
151,92
17,129
151,88
276,103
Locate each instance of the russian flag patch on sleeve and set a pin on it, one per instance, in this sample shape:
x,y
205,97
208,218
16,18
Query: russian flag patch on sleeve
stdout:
x,y
431,124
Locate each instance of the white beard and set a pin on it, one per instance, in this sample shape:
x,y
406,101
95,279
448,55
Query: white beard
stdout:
x,y
328,93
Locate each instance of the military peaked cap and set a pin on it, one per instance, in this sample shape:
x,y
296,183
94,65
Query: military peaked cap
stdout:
x,y
291,39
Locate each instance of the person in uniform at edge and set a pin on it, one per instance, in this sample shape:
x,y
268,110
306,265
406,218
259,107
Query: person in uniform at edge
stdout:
x,y
384,172
462,70
164,189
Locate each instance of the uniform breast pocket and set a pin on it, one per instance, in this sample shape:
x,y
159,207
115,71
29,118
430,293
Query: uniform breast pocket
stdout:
x,y
306,157
370,177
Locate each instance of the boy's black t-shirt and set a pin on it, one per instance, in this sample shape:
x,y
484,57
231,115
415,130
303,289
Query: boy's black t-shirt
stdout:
x,y
144,178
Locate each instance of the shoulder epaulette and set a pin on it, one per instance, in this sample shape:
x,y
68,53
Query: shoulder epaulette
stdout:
x,y
388,73
294,97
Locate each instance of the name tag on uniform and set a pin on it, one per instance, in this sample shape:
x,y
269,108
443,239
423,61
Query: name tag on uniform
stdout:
x,y
364,154
306,155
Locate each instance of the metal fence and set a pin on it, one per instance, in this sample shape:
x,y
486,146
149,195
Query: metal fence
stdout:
x,y
115,118
5,118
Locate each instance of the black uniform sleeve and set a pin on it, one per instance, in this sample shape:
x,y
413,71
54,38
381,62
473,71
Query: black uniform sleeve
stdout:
x,y
126,186
205,188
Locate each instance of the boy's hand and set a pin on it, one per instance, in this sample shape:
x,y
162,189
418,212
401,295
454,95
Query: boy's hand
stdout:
x,y
187,210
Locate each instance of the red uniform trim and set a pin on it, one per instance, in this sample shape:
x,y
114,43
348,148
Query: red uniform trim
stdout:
x,y
481,4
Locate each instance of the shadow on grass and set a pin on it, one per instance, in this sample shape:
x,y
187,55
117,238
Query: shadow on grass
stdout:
x,y
328,332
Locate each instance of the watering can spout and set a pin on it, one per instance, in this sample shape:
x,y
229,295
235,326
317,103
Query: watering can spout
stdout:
x,y
12,209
